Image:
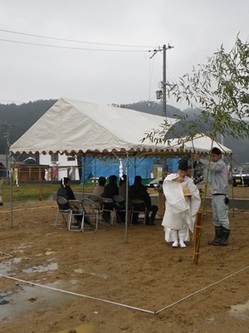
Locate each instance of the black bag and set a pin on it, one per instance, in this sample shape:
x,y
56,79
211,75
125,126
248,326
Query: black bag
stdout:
x,y
226,200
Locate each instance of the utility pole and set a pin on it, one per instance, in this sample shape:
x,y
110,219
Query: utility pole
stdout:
x,y
164,82
161,94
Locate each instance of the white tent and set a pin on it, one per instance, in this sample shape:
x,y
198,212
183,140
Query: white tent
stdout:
x,y
81,128
200,143
75,127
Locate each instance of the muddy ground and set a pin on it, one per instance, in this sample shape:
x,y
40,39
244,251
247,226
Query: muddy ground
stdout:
x,y
96,282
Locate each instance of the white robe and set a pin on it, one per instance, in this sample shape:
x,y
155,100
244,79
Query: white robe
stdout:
x,y
180,211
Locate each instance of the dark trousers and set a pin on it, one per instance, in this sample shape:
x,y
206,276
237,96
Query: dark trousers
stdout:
x,y
153,209
150,218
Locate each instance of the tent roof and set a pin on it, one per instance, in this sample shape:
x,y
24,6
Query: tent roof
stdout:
x,y
75,127
82,128
200,143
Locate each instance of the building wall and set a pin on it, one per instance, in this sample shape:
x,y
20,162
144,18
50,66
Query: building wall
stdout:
x,y
60,166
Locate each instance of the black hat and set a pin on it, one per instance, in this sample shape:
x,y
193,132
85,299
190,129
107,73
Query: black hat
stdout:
x,y
183,165
137,180
65,180
216,151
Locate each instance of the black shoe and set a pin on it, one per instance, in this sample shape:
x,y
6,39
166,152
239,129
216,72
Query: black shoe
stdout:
x,y
150,223
215,242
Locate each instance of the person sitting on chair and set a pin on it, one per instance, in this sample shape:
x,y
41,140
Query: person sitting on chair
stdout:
x,y
120,206
66,192
98,191
110,190
139,191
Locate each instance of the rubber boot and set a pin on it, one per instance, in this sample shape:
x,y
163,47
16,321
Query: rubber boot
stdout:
x,y
217,237
224,237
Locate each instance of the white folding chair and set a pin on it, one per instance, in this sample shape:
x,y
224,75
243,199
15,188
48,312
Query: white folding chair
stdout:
x,y
90,214
65,213
75,210
97,201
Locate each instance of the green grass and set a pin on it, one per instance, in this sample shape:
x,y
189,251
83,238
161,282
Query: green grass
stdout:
x,y
26,192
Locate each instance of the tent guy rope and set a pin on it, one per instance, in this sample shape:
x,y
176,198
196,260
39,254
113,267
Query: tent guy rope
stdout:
x,y
125,305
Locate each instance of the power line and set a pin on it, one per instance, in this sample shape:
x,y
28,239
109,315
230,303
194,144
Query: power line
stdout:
x,y
70,47
73,40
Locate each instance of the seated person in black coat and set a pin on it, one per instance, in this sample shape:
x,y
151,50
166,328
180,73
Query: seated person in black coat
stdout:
x,y
66,192
110,190
139,191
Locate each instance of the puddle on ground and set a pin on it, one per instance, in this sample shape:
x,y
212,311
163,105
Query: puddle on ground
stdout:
x,y
8,267
27,298
15,303
240,311
41,268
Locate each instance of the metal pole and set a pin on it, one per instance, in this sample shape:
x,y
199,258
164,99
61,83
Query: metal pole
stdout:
x,y
11,195
164,82
164,160
127,198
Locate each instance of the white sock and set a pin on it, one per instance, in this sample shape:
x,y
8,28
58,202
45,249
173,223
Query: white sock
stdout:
x,y
182,244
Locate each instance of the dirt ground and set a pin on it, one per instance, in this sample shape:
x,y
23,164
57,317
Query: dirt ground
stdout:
x,y
95,282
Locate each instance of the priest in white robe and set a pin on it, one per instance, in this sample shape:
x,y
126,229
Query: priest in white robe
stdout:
x,y
182,203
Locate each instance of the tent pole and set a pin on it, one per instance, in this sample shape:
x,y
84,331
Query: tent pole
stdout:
x,y
83,176
127,197
11,197
231,177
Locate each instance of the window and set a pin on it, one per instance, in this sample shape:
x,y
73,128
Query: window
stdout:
x,y
54,158
71,158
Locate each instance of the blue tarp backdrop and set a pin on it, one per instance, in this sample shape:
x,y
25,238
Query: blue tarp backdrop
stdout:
x,y
97,167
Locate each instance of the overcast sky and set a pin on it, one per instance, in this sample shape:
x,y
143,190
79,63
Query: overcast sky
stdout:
x,y
97,50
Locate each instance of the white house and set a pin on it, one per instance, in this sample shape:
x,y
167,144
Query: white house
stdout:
x,y
60,165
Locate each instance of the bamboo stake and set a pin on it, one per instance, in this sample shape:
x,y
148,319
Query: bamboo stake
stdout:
x,y
200,214
197,236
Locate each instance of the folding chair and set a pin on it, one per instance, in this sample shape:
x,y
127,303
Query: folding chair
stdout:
x,y
76,210
97,201
108,209
64,212
90,214
138,206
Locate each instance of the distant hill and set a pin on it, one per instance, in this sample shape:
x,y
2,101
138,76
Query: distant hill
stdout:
x,y
15,120
239,147
153,108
